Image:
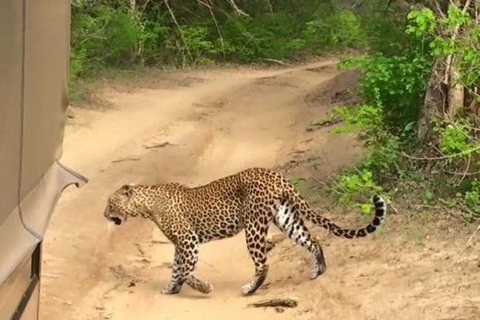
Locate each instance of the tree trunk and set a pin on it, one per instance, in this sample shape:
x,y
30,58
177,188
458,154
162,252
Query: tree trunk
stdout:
x,y
445,93
455,93
434,103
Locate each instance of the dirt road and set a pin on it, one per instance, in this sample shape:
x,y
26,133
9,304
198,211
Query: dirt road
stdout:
x,y
216,123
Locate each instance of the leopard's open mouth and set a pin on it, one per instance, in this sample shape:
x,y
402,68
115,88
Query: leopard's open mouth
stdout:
x,y
118,221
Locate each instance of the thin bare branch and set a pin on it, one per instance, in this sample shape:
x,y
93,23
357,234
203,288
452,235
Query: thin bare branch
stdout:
x,y
178,27
466,169
454,36
209,6
465,152
387,7
467,244
269,6
439,9
237,9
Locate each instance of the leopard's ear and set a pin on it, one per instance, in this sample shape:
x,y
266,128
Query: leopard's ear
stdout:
x,y
126,190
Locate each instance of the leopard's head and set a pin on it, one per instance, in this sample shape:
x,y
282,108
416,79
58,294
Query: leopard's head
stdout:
x,y
119,205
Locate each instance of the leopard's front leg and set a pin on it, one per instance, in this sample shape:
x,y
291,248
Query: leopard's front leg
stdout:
x,y
188,257
178,230
175,285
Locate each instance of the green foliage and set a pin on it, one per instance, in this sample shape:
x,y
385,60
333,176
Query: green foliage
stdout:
x,y
110,34
382,157
105,37
365,117
297,181
428,196
195,44
354,186
437,33
466,48
454,140
422,22
383,31
396,84
341,30
472,198
399,51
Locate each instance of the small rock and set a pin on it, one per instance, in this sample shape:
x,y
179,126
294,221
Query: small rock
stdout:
x,y
70,114
279,309
307,310
131,284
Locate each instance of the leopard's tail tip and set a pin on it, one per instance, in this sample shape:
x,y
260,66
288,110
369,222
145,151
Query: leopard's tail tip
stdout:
x,y
380,206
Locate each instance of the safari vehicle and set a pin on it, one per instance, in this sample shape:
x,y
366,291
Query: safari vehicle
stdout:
x,y
34,56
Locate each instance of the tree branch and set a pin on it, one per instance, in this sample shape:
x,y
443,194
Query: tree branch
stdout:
x,y
179,29
237,9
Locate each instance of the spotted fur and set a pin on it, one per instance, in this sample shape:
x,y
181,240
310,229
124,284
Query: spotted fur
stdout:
x,y
250,200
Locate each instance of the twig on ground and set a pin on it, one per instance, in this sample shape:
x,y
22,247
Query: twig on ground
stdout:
x,y
467,244
317,180
160,242
276,61
288,303
298,151
125,159
324,123
158,145
61,300
393,207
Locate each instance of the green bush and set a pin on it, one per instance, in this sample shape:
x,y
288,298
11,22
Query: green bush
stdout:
x,y
109,34
354,186
393,87
337,31
397,83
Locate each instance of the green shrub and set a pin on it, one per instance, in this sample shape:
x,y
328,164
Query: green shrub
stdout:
x,y
397,83
337,31
355,187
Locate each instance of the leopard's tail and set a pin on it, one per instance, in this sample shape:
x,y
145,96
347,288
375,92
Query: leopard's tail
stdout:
x,y
304,210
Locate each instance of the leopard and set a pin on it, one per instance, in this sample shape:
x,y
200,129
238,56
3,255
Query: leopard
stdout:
x,y
249,200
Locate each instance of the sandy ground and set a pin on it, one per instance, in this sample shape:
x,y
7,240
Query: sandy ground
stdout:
x,y
218,122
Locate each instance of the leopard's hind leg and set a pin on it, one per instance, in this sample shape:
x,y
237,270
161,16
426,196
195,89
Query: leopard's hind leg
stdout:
x,y
256,229
288,220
